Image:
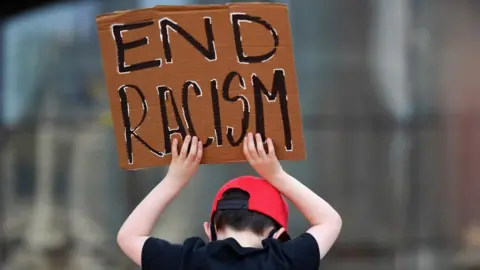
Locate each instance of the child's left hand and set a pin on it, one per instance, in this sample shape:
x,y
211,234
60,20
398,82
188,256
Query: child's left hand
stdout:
x,y
184,164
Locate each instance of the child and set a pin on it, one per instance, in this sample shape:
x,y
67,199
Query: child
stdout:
x,y
248,223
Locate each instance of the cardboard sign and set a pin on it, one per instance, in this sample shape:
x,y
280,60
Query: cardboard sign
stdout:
x,y
214,71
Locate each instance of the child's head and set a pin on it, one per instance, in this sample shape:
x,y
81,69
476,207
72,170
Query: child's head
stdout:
x,y
248,204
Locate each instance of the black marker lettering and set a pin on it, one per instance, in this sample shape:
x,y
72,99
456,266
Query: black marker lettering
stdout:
x,y
163,93
186,110
242,58
210,53
216,112
129,131
278,87
117,31
245,108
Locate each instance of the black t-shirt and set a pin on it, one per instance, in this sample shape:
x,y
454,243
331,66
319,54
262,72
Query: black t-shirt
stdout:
x,y
301,253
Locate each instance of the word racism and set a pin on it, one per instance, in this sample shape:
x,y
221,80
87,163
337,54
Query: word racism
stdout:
x,y
188,91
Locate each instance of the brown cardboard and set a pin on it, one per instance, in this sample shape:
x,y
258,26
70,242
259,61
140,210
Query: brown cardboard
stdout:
x,y
145,34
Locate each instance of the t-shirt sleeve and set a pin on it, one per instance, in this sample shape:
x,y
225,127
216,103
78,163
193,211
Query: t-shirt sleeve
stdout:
x,y
303,252
158,254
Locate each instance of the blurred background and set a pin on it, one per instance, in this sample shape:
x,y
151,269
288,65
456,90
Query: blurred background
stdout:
x,y
390,97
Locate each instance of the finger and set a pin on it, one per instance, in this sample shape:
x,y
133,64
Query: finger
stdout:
x,y
271,149
245,149
251,147
260,149
193,148
175,148
186,143
198,157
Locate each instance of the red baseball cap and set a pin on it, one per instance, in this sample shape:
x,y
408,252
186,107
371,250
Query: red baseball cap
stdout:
x,y
264,199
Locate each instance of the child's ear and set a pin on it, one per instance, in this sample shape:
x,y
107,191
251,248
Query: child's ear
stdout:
x,y
206,227
278,233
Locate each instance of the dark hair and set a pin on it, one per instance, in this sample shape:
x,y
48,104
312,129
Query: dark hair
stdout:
x,y
242,219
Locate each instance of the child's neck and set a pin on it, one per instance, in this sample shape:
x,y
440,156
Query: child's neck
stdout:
x,y
244,238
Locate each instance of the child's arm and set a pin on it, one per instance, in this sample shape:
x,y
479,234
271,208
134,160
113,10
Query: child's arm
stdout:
x,y
326,222
138,226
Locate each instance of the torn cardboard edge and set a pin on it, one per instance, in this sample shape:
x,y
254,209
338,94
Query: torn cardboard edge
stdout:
x,y
123,14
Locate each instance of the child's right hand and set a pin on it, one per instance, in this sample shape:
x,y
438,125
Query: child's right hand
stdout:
x,y
184,164
266,164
